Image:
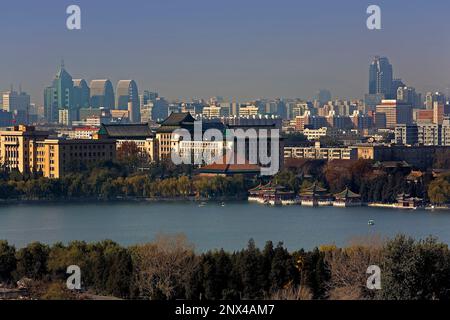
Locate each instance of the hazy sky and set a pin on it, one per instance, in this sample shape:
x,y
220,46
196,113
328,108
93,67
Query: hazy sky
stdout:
x,y
232,48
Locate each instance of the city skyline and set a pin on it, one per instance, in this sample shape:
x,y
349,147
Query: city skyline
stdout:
x,y
248,51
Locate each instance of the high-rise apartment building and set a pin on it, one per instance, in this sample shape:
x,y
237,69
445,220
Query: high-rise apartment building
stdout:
x,y
391,113
212,112
426,134
429,134
445,132
408,95
440,110
147,97
16,101
323,96
406,134
432,97
160,110
245,111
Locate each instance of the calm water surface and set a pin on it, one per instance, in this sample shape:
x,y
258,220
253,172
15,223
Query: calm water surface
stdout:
x,y
213,226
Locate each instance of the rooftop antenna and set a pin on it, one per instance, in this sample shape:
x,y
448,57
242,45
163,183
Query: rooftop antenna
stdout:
x,y
62,63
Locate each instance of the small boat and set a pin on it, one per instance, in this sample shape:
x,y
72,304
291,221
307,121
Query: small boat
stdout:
x,y
222,204
202,204
371,223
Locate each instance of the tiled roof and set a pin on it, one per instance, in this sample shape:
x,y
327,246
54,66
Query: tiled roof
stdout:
x,y
126,131
391,164
314,190
186,121
236,167
176,119
347,193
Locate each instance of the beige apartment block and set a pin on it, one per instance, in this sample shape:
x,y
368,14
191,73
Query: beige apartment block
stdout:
x,y
27,150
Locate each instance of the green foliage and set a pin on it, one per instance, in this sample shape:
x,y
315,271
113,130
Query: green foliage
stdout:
x,y
294,138
314,272
32,261
289,179
169,269
110,181
7,261
106,266
57,291
414,270
442,159
219,186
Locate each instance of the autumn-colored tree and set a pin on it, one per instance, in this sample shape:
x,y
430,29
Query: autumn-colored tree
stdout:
x,y
442,159
338,176
131,156
439,190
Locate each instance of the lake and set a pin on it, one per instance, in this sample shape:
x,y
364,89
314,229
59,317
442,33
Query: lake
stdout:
x,y
213,226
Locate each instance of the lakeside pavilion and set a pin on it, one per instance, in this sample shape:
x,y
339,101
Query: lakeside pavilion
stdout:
x,y
272,194
406,201
347,198
315,196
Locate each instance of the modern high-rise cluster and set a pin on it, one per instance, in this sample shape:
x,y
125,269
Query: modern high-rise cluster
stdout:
x,y
383,85
78,108
66,97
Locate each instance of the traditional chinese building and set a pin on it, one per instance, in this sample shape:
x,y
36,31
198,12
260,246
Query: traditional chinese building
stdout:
x,y
272,195
315,196
405,201
347,198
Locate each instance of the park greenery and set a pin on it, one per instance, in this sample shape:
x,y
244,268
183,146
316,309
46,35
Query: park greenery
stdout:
x,y
169,268
375,184
133,176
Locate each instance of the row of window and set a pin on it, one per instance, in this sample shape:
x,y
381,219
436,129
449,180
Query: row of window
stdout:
x,y
11,139
87,147
87,154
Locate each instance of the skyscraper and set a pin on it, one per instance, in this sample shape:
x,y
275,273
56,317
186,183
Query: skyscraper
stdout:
x,y
102,94
16,101
391,113
381,77
82,93
396,83
18,104
440,111
323,96
127,92
432,97
146,97
408,95
50,104
59,95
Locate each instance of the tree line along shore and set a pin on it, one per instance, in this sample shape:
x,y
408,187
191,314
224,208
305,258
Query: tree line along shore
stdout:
x,y
126,180
169,269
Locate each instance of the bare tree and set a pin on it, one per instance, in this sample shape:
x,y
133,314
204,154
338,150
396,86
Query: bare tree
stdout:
x,y
162,267
291,292
348,269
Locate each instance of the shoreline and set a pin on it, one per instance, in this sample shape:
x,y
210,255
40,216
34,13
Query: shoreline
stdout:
x,y
193,199
115,201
